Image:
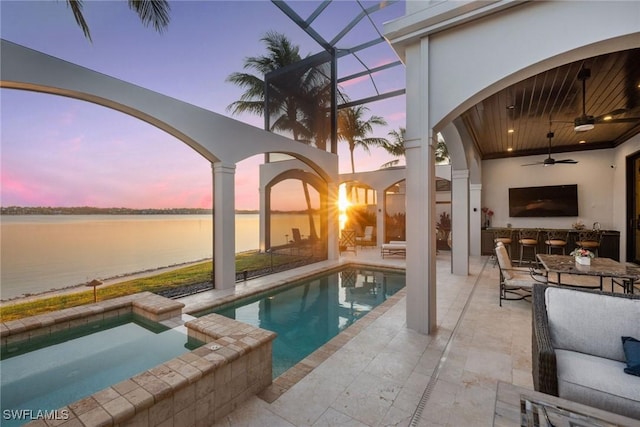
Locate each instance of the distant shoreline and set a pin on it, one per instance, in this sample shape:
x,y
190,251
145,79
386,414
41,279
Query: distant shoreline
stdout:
x,y
119,278
88,210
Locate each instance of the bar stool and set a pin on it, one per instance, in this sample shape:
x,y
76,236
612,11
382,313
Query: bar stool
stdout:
x,y
556,239
528,239
589,240
505,236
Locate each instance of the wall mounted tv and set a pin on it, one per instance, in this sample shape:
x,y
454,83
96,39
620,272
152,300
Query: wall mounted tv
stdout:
x,y
551,200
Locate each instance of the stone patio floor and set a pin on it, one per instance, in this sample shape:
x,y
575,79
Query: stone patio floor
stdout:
x,y
383,374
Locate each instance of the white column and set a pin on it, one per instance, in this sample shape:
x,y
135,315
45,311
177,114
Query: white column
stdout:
x,y
420,196
263,217
224,224
460,222
380,217
333,223
475,219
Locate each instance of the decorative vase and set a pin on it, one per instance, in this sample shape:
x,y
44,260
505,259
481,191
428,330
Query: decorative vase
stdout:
x,y
583,260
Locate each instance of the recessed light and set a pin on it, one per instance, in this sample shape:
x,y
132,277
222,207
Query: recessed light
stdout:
x,y
582,141
511,131
510,149
607,118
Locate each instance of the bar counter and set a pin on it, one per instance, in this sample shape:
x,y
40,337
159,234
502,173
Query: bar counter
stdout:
x,y
609,246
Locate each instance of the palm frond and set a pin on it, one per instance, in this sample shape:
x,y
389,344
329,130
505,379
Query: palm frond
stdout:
x,y
389,164
154,12
76,8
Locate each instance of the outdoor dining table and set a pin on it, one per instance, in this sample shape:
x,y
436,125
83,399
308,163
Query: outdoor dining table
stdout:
x,y
600,267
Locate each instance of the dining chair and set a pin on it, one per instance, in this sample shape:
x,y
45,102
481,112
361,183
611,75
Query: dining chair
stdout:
x,y
556,239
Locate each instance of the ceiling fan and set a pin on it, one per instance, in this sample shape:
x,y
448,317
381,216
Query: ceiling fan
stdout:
x,y
549,161
587,122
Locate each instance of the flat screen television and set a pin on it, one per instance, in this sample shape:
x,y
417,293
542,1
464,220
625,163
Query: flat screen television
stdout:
x,y
551,200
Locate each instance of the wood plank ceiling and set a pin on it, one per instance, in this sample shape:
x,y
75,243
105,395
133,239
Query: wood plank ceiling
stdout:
x,y
552,100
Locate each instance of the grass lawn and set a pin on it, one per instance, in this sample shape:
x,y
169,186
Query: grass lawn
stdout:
x,y
198,273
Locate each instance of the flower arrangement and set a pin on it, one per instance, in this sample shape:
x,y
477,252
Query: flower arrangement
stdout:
x,y
488,213
582,256
578,225
582,253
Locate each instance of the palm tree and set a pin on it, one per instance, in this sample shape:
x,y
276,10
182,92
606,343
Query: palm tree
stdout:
x,y
282,53
441,151
155,12
353,129
287,106
395,147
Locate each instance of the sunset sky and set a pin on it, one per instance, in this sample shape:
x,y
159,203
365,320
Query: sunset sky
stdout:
x,y
57,151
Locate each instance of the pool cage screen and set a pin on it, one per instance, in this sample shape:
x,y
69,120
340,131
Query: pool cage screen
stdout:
x,y
300,101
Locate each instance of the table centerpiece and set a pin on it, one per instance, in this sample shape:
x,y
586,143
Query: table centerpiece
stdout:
x,y
582,256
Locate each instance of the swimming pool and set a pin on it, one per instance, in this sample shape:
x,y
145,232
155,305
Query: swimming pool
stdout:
x,y
307,314
50,372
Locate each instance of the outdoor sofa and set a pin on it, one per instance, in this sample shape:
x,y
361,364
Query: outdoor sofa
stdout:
x,y
577,347
394,247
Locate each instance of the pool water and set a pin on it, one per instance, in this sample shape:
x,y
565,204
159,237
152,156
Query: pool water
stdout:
x,y
307,314
70,365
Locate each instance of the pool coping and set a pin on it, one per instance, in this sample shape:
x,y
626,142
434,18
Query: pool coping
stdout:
x,y
296,373
293,375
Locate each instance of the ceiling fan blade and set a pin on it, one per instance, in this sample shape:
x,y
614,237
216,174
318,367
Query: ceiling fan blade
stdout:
x,y
620,120
567,161
533,164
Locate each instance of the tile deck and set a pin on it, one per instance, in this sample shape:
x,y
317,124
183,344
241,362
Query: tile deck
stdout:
x,y
380,373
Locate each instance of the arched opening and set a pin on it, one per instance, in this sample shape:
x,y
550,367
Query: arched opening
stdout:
x,y
358,202
395,211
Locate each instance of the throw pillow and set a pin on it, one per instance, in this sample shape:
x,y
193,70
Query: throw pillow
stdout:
x,y
631,347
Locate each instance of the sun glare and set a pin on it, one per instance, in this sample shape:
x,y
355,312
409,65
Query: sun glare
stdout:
x,y
343,205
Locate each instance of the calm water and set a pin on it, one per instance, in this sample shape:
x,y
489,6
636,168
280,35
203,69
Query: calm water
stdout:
x,y
308,314
67,367
43,252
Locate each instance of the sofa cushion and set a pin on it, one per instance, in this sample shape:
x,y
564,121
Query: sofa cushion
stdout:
x,y
591,323
598,382
631,347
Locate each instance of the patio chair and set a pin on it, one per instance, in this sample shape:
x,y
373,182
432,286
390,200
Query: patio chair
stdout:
x,y
298,242
348,241
515,282
367,239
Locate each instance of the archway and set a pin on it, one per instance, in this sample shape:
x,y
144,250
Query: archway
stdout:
x,y
208,133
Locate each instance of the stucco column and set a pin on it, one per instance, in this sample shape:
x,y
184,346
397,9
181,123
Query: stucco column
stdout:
x,y
475,218
460,222
421,200
380,217
333,224
265,217
224,224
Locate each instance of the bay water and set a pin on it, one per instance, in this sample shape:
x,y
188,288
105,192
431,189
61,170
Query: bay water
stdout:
x,y
45,252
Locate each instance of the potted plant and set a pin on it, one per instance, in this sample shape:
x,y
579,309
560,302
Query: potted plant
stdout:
x,y
443,227
488,213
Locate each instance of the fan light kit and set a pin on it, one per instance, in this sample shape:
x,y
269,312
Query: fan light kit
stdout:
x,y
588,122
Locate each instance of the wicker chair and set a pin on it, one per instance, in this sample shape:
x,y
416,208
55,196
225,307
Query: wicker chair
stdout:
x,y
544,366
